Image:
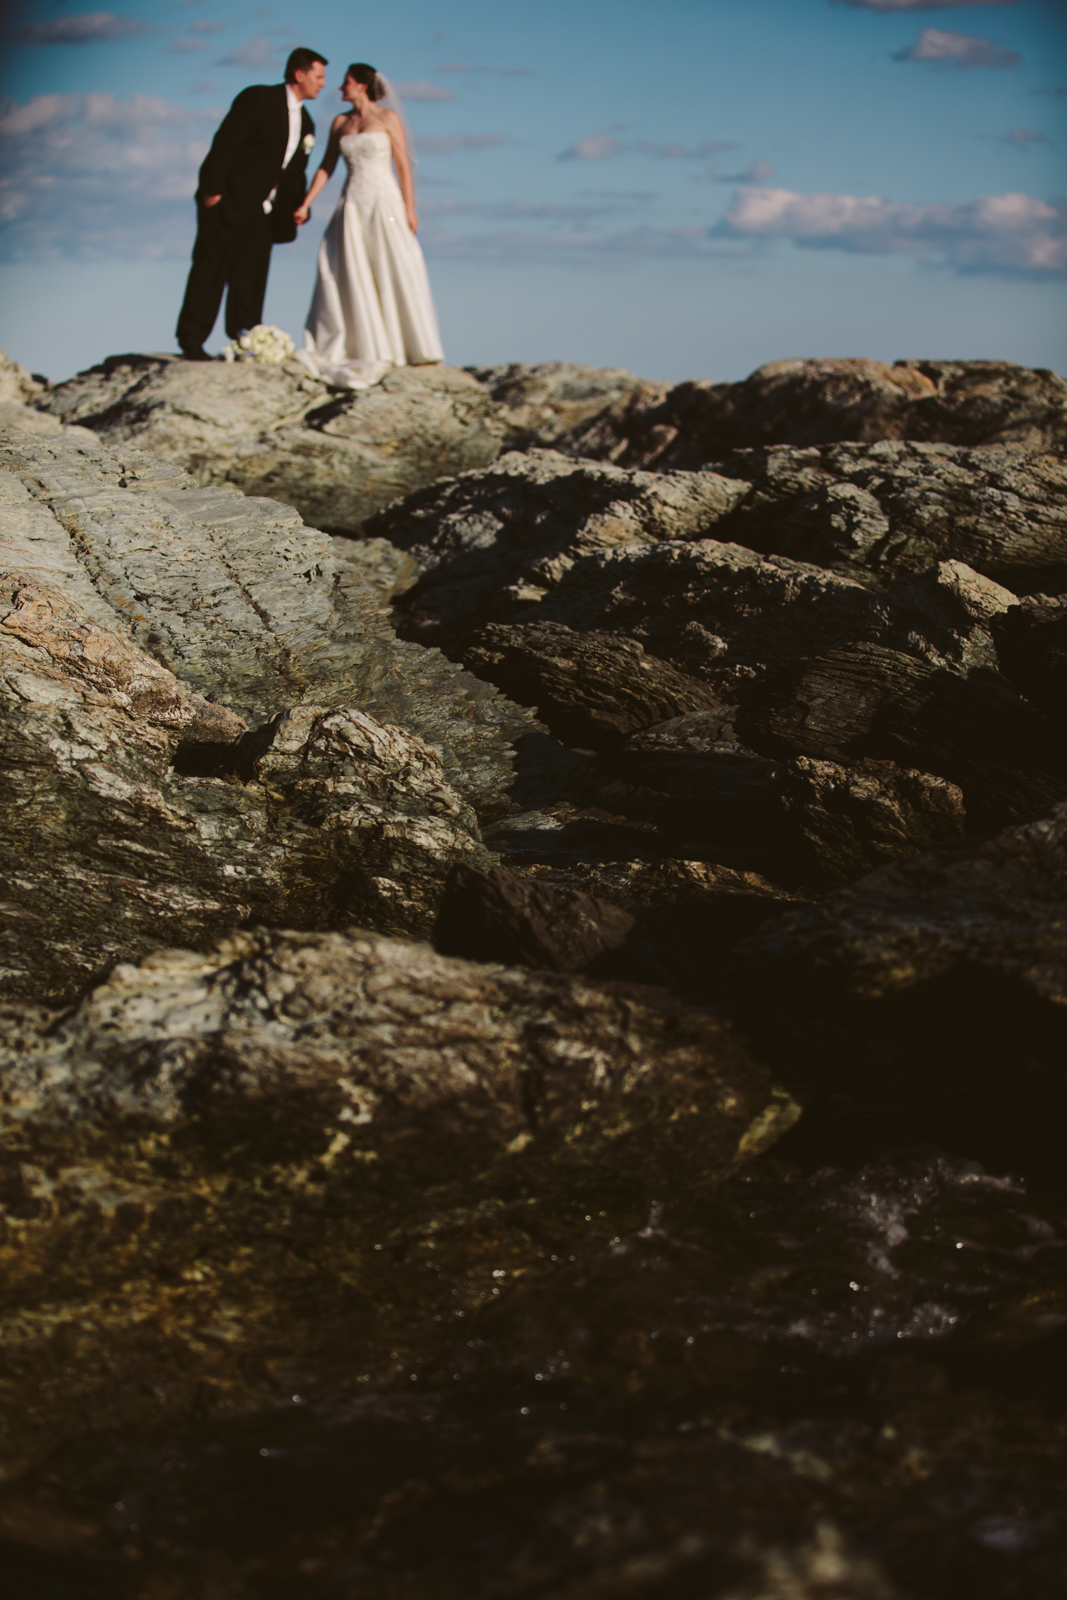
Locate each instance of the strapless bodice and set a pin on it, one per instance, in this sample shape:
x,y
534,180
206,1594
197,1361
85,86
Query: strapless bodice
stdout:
x,y
366,151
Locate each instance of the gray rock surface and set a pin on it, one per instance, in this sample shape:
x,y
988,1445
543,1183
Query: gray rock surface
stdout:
x,y
334,456
879,510
322,818
492,541
590,689
851,820
812,402
543,401
204,1158
241,600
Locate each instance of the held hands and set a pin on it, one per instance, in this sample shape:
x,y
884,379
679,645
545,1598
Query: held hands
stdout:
x,y
302,214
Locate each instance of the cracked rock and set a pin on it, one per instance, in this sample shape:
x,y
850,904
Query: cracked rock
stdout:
x,y
335,457
241,600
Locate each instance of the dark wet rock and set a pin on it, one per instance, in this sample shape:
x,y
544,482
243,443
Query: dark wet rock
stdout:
x,y
204,1158
591,689
491,542
849,820
136,813
241,600
879,510
866,700
821,402
688,916
952,963
695,733
1031,646
334,456
495,916
542,401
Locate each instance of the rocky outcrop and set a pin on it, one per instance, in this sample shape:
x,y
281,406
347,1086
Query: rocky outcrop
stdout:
x,y
881,510
496,916
850,820
240,599
209,1141
866,700
591,689
1031,646
543,402
336,457
820,402
491,542
952,963
317,820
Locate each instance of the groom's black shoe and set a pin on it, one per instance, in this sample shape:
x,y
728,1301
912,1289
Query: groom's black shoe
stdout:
x,y
195,353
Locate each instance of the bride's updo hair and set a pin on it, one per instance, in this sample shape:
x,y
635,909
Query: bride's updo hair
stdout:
x,y
368,77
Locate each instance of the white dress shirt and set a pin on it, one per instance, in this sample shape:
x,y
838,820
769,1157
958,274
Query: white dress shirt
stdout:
x,y
295,123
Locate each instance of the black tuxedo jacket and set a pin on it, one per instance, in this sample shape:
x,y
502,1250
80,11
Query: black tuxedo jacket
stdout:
x,y
245,161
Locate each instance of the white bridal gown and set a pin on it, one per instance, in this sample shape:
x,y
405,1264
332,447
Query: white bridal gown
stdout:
x,y
372,307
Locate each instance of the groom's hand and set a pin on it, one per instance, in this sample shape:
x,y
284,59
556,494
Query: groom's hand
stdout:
x,y
212,199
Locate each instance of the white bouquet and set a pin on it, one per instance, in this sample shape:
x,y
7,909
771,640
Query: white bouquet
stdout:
x,y
268,345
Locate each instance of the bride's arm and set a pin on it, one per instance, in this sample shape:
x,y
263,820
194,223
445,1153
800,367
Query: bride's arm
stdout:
x,y
325,172
403,168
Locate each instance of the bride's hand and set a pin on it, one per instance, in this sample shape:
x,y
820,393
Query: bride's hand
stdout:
x,y
301,214
413,219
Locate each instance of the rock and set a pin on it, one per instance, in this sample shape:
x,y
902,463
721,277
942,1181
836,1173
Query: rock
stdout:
x,y
820,402
1031,645
335,457
544,401
590,689
210,1161
241,600
688,915
717,611
849,821
489,542
950,967
495,916
315,821
880,510
867,700
17,386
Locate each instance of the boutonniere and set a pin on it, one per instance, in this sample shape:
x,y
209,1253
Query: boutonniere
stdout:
x,y
308,143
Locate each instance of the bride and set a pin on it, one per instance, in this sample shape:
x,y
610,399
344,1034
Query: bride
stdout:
x,y
372,308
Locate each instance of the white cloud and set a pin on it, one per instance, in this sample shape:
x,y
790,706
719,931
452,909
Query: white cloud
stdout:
x,y
419,89
185,47
755,172
1003,232
919,5
1023,138
256,53
89,27
201,25
95,175
962,49
448,143
604,146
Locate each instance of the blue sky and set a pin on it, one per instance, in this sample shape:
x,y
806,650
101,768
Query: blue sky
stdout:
x,y
687,189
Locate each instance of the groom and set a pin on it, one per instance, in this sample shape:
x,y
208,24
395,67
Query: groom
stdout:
x,y
251,183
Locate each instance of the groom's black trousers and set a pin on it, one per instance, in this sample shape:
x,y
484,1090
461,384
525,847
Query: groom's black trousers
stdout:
x,y
236,257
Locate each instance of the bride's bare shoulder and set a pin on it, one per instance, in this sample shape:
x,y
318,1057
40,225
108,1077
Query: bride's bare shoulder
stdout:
x,y
338,122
